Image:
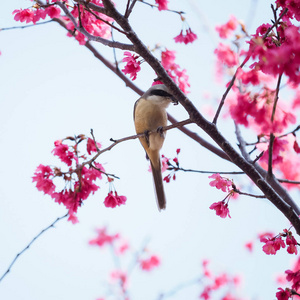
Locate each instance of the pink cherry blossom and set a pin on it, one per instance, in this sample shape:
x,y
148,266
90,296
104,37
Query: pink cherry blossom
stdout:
x,y
53,11
150,263
272,244
43,182
103,238
226,30
294,277
279,146
178,76
226,55
162,4
249,246
221,209
121,277
283,294
62,151
132,66
91,147
23,15
114,200
186,36
220,182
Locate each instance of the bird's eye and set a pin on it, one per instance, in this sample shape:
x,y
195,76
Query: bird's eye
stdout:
x,y
161,93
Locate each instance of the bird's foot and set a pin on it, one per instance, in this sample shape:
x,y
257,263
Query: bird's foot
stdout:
x,y
160,130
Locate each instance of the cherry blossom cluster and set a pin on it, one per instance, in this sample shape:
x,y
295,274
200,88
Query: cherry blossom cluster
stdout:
x,y
270,61
185,36
292,276
78,177
213,284
36,13
179,76
119,277
94,22
226,186
273,244
113,199
132,66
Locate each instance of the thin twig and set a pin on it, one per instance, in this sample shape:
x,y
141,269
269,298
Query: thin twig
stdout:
x,y
32,241
207,172
228,89
26,26
247,194
129,9
288,181
132,137
180,287
156,6
275,24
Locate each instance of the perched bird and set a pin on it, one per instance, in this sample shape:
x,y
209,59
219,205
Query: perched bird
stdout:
x,y
150,115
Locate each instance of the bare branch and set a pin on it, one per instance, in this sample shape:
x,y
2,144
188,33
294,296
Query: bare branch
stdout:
x,y
32,241
247,194
129,8
26,26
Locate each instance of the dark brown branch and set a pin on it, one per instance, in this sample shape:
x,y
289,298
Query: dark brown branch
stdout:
x,y
32,241
129,8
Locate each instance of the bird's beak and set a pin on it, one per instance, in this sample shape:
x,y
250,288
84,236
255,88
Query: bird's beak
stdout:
x,y
174,100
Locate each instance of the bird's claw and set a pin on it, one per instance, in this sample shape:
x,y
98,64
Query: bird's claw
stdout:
x,y
160,130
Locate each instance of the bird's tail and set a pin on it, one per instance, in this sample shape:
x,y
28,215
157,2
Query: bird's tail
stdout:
x,y
158,182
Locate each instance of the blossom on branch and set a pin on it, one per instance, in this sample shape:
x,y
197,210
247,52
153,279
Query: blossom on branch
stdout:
x,y
283,294
178,76
104,238
221,209
23,15
114,200
43,182
226,55
226,30
62,151
185,36
220,183
162,4
150,263
132,66
91,146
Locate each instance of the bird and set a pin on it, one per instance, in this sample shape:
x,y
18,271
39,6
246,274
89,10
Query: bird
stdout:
x,y
150,115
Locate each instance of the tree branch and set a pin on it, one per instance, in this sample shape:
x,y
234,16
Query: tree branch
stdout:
x,y
32,241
